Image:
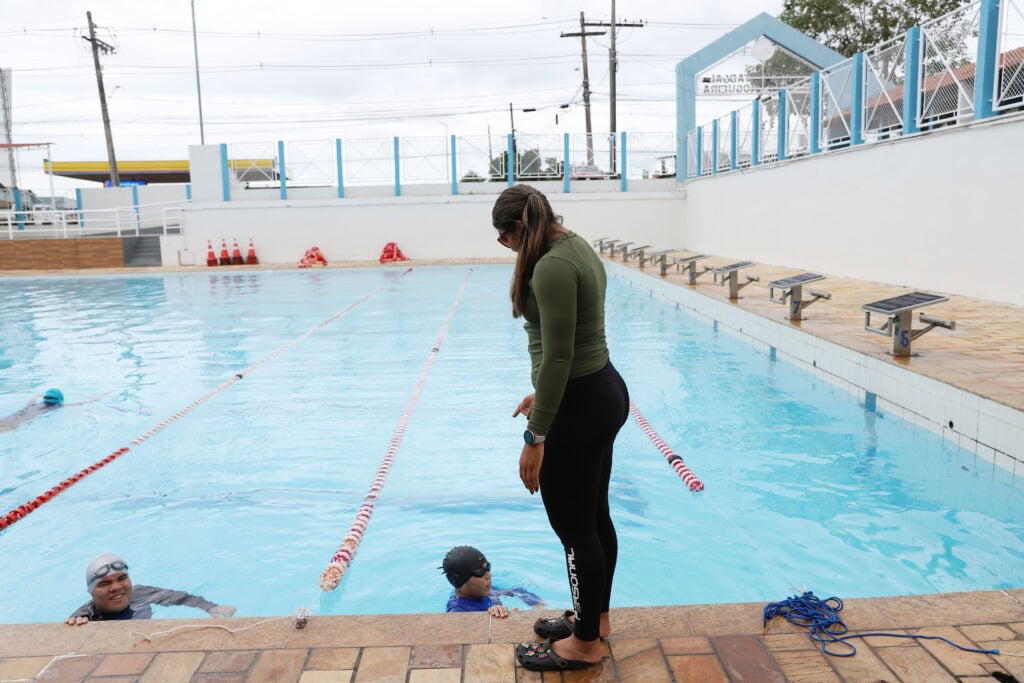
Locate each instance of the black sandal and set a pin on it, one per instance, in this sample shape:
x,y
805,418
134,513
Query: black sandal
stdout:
x,y
554,628
540,657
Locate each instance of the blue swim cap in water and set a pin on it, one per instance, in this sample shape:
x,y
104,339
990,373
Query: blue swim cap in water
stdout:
x,y
53,397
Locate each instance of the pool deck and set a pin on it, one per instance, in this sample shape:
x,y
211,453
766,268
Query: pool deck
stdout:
x,y
700,643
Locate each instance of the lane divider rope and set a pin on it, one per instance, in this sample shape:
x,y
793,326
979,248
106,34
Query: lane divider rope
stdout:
x,y
22,511
688,477
335,570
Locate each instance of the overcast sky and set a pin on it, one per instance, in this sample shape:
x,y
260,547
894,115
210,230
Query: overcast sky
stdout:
x,y
311,70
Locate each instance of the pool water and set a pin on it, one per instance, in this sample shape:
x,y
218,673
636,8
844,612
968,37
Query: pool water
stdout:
x,y
245,499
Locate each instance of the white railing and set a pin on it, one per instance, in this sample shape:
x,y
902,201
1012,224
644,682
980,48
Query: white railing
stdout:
x,y
724,154
691,154
1009,82
481,157
949,46
884,68
744,136
651,155
836,105
424,159
310,163
768,135
164,218
798,118
592,157
707,152
254,164
368,161
538,157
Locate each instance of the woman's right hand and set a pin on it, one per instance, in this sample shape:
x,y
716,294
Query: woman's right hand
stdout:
x,y
525,406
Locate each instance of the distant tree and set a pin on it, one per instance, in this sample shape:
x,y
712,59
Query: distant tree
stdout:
x,y
472,177
850,26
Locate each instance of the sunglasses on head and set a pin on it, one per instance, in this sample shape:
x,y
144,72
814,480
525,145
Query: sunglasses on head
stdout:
x,y
107,568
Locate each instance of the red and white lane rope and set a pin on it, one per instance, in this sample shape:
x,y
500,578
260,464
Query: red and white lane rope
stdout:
x,y
22,510
688,477
335,570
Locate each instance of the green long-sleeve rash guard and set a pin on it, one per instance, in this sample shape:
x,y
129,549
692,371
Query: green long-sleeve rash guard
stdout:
x,y
564,323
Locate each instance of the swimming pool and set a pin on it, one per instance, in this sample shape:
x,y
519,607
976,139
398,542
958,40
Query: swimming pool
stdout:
x,y
245,499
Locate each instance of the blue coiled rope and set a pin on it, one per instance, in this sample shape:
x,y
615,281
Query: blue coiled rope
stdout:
x,y
826,628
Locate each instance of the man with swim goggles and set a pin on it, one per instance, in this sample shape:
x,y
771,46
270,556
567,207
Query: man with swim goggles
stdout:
x,y
114,597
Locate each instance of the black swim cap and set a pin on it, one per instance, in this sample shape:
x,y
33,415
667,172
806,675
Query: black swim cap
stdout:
x,y
463,562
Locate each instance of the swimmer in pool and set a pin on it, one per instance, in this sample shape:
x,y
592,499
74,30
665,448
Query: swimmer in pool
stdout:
x,y
52,399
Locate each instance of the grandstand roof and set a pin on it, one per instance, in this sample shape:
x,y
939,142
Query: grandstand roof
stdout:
x,y
156,171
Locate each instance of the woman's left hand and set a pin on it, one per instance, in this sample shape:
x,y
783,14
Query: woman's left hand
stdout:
x,y
529,466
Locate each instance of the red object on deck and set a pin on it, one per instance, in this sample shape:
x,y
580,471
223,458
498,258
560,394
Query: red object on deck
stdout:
x,y
313,257
211,258
225,260
250,259
236,255
392,253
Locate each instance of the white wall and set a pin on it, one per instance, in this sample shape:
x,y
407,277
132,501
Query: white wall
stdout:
x,y
424,227
939,211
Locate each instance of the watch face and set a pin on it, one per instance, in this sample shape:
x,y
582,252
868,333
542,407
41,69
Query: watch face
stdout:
x,y
528,436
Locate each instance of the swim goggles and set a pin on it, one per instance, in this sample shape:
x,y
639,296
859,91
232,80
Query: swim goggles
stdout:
x,y
481,571
114,567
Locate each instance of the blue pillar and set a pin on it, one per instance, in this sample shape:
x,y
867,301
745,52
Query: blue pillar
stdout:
x,y
623,167
814,124
135,204
912,80
398,168
225,181
755,141
341,174
18,215
283,174
78,205
988,44
565,162
783,125
700,152
732,140
510,161
857,100
714,147
188,192
455,174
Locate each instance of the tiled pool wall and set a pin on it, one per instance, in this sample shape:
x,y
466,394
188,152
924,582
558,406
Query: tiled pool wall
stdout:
x,y
991,430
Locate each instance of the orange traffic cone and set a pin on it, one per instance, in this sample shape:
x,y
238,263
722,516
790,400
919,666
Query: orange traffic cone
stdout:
x,y
211,258
250,259
225,260
236,256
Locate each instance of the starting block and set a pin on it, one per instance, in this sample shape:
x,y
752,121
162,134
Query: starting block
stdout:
x,y
899,312
635,251
792,288
662,258
730,274
689,263
603,242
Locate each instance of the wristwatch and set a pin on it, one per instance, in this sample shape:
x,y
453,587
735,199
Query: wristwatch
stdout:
x,y
531,437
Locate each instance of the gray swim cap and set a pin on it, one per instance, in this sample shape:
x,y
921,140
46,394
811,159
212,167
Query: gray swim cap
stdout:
x,y
102,565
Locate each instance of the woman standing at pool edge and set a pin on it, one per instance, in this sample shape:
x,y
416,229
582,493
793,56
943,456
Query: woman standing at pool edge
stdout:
x,y
579,406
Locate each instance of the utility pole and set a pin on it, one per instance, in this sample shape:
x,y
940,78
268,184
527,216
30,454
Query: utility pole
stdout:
x,y
583,33
613,67
199,91
97,47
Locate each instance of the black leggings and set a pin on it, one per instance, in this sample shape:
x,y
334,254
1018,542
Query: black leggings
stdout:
x,y
574,486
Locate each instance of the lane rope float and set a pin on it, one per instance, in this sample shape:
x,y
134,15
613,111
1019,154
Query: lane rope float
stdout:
x,y
676,462
335,570
21,511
